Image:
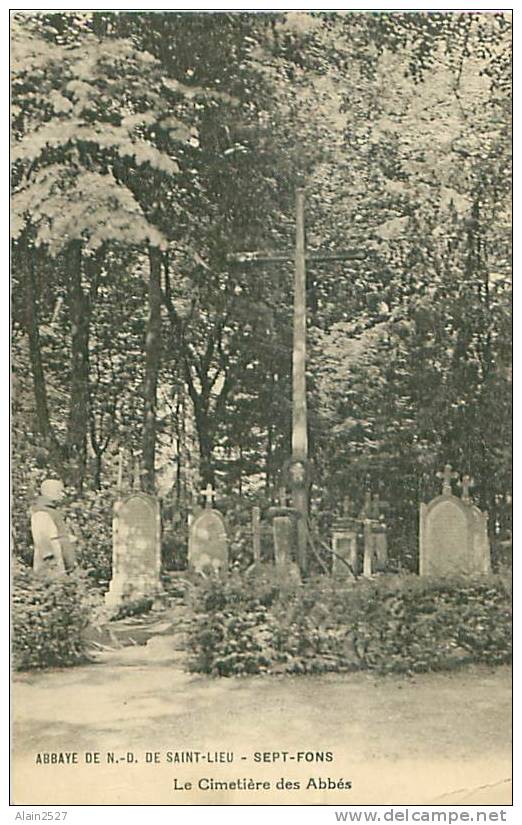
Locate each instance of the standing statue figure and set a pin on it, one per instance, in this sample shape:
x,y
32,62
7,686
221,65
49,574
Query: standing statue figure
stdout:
x,y
53,542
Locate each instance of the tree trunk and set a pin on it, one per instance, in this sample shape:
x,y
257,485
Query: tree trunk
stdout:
x,y
79,409
205,438
98,462
179,448
37,370
268,459
201,406
152,365
299,409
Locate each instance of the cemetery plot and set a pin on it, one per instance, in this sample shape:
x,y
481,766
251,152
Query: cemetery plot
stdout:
x,y
359,340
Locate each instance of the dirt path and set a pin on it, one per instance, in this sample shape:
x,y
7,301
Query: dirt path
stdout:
x,y
438,738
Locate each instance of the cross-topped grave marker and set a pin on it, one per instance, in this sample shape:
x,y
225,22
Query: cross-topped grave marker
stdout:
x,y
447,475
347,506
136,549
299,410
453,535
208,547
208,494
367,507
282,497
465,485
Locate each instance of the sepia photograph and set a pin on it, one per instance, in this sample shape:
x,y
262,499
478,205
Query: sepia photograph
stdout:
x,y
261,408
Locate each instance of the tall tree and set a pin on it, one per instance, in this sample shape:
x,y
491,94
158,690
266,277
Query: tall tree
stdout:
x,y
81,141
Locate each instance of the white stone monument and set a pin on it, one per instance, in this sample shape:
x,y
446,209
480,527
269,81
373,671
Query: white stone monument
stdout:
x,y
453,536
136,549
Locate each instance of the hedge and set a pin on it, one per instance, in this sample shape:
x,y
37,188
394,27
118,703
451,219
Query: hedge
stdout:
x,y
403,624
48,617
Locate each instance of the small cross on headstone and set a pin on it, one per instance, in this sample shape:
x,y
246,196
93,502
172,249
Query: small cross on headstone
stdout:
x,y
465,485
347,506
367,506
208,494
282,496
376,506
447,475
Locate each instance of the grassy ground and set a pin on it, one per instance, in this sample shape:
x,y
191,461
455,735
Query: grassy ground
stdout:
x,y
437,738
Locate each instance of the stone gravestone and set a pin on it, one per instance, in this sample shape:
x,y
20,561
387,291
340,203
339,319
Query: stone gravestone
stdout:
x,y
380,545
136,549
208,538
368,524
380,537
375,557
344,544
453,537
283,540
284,536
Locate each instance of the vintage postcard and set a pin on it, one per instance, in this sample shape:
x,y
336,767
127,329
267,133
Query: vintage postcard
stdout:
x,y
261,408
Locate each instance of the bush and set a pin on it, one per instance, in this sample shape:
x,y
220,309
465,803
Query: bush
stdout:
x,y
48,617
134,607
91,518
237,511
401,624
233,629
424,624
174,547
262,585
233,642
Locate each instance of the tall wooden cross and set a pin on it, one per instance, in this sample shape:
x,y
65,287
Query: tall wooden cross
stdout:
x,y
299,409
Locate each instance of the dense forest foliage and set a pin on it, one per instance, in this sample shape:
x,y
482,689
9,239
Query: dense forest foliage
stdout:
x,y
149,147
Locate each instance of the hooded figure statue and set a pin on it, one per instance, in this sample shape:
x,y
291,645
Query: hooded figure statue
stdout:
x,y
53,542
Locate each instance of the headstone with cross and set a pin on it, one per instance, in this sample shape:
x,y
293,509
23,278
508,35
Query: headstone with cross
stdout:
x,y
345,562
208,547
282,496
283,530
375,550
283,533
465,484
453,535
136,541
136,549
348,507
345,532
447,475
299,407
367,508
284,521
